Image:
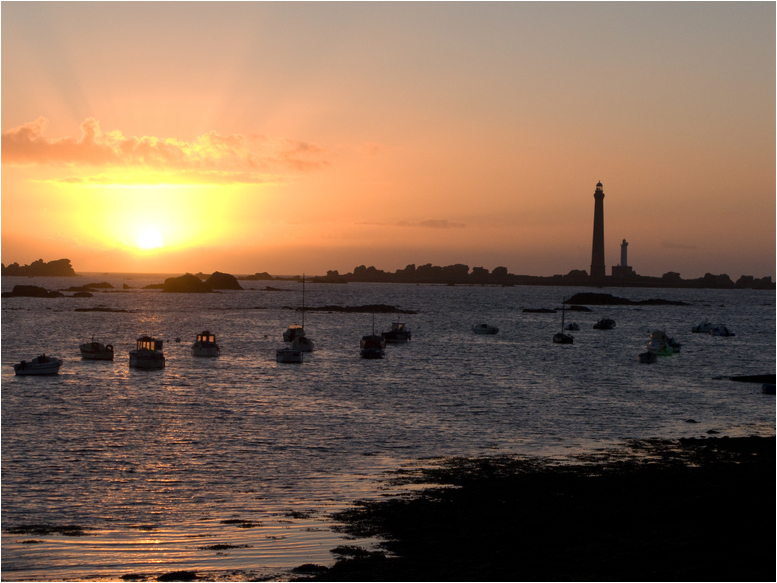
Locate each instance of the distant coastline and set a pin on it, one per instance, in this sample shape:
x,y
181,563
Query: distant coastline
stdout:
x,y
457,274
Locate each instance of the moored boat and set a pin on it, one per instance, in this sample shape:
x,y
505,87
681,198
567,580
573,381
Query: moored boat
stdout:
x,y
205,345
296,333
96,350
398,334
659,344
41,365
287,354
560,337
605,324
373,345
703,328
484,329
147,354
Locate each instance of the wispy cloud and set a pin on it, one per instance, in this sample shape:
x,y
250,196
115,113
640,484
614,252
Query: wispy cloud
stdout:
x,y
430,224
215,156
670,245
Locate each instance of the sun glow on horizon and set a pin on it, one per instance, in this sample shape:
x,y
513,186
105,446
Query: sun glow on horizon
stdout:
x,y
149,239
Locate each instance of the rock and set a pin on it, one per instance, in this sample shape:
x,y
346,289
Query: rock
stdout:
x,y
58,268
82,294
185,284
222,281
31,291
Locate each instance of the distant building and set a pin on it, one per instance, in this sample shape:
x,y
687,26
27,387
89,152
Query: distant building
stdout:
x,y
623,270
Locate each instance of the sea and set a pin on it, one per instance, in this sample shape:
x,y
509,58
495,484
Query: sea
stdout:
x,y
232,466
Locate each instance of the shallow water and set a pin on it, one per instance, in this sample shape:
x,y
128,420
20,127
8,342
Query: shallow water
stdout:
x,y
152,463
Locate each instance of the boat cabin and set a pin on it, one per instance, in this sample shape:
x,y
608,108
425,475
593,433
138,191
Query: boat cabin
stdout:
x,y
206,338
148,343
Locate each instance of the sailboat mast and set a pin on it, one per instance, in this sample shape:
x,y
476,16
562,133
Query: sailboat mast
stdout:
x,y
563,310
303,301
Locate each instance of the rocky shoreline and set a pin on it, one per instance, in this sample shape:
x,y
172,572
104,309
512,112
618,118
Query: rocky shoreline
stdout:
x,y
689,510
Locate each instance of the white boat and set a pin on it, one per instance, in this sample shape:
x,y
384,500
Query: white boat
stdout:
x,y
288,354
296,334
205,345
42,365
399,333
96,350
659,344
147,354
720,330
560,337
484,329
372,346
703,328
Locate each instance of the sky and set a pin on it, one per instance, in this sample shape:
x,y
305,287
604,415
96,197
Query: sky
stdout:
x,y
306,137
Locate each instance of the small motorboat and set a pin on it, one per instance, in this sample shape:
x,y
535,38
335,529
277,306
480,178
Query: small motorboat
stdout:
x,y
703,328
484,329
605,324
96,350
659,344
767,388
147,354
205,345
647,358
560,337
42,365
399,333
720,330
288,354
572,327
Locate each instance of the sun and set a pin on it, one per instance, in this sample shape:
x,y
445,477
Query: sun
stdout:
x,y
149,239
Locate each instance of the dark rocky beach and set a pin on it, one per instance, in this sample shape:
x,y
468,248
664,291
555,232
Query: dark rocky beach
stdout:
x,y
688,510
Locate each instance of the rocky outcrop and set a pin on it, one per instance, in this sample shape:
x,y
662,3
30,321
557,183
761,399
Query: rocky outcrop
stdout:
x,y
31,291
222,281
58,268
185,284
593,299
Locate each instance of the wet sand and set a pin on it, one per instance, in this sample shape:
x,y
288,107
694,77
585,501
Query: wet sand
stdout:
x,y
693,510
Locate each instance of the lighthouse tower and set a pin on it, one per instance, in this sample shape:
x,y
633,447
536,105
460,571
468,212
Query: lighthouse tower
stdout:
x,y
597,252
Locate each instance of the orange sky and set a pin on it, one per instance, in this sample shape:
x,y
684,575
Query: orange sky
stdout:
x,y
303,137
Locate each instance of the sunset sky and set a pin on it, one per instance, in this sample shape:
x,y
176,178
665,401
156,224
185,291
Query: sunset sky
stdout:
x,y
305,137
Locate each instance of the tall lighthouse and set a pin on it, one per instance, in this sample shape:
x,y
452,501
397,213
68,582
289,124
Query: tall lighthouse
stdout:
x,y
597,253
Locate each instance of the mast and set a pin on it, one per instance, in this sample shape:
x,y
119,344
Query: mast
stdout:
x,y
303,301
563,310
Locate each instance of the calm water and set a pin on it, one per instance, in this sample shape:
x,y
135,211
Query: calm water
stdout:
x,y
153,462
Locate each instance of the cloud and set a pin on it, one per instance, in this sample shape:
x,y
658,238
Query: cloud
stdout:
x,y
430,224
670,245
211,152
157,178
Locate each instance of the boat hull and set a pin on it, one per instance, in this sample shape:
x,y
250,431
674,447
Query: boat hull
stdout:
x,y
288,355
205,350
485,329
563,339
96,351
35,368
146,361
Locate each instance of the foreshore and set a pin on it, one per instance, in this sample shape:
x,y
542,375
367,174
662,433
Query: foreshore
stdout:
x,y
687,510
